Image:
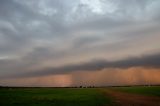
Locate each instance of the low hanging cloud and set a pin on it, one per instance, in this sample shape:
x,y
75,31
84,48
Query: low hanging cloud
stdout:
x,y
115,77
105,77
150,61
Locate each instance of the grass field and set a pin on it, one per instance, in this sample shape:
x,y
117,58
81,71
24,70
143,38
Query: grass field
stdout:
x,y
71,96
143,90
52,97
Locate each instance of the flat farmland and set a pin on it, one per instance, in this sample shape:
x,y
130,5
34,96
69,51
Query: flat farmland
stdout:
x,y
52,97
109,96
143,90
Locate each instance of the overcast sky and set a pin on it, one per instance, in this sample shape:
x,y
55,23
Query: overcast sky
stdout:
x,y
59,41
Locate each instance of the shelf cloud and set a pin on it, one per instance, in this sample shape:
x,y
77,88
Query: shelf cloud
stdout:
x,y
150,61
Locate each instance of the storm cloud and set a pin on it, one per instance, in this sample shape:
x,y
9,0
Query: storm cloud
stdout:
x,y
150,61
56,37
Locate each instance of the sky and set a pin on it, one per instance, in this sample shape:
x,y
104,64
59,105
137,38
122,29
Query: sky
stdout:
x,y
79,42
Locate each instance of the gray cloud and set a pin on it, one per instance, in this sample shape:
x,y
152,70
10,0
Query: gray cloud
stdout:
x,y
150,61
50,33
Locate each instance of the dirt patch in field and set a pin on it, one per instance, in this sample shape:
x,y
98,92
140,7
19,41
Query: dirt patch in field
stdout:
x,y
128,99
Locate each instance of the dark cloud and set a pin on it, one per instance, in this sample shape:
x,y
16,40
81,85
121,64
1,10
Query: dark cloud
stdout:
x,y
49,33
150,61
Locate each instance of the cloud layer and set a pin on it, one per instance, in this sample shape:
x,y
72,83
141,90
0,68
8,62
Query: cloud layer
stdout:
x,y
105,77
151,61
56,37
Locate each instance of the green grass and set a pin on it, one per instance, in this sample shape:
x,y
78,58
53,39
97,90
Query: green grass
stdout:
x,y
52,97
144,90
66,96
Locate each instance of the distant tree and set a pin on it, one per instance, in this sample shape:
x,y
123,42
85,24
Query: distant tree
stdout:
x,y
80,86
